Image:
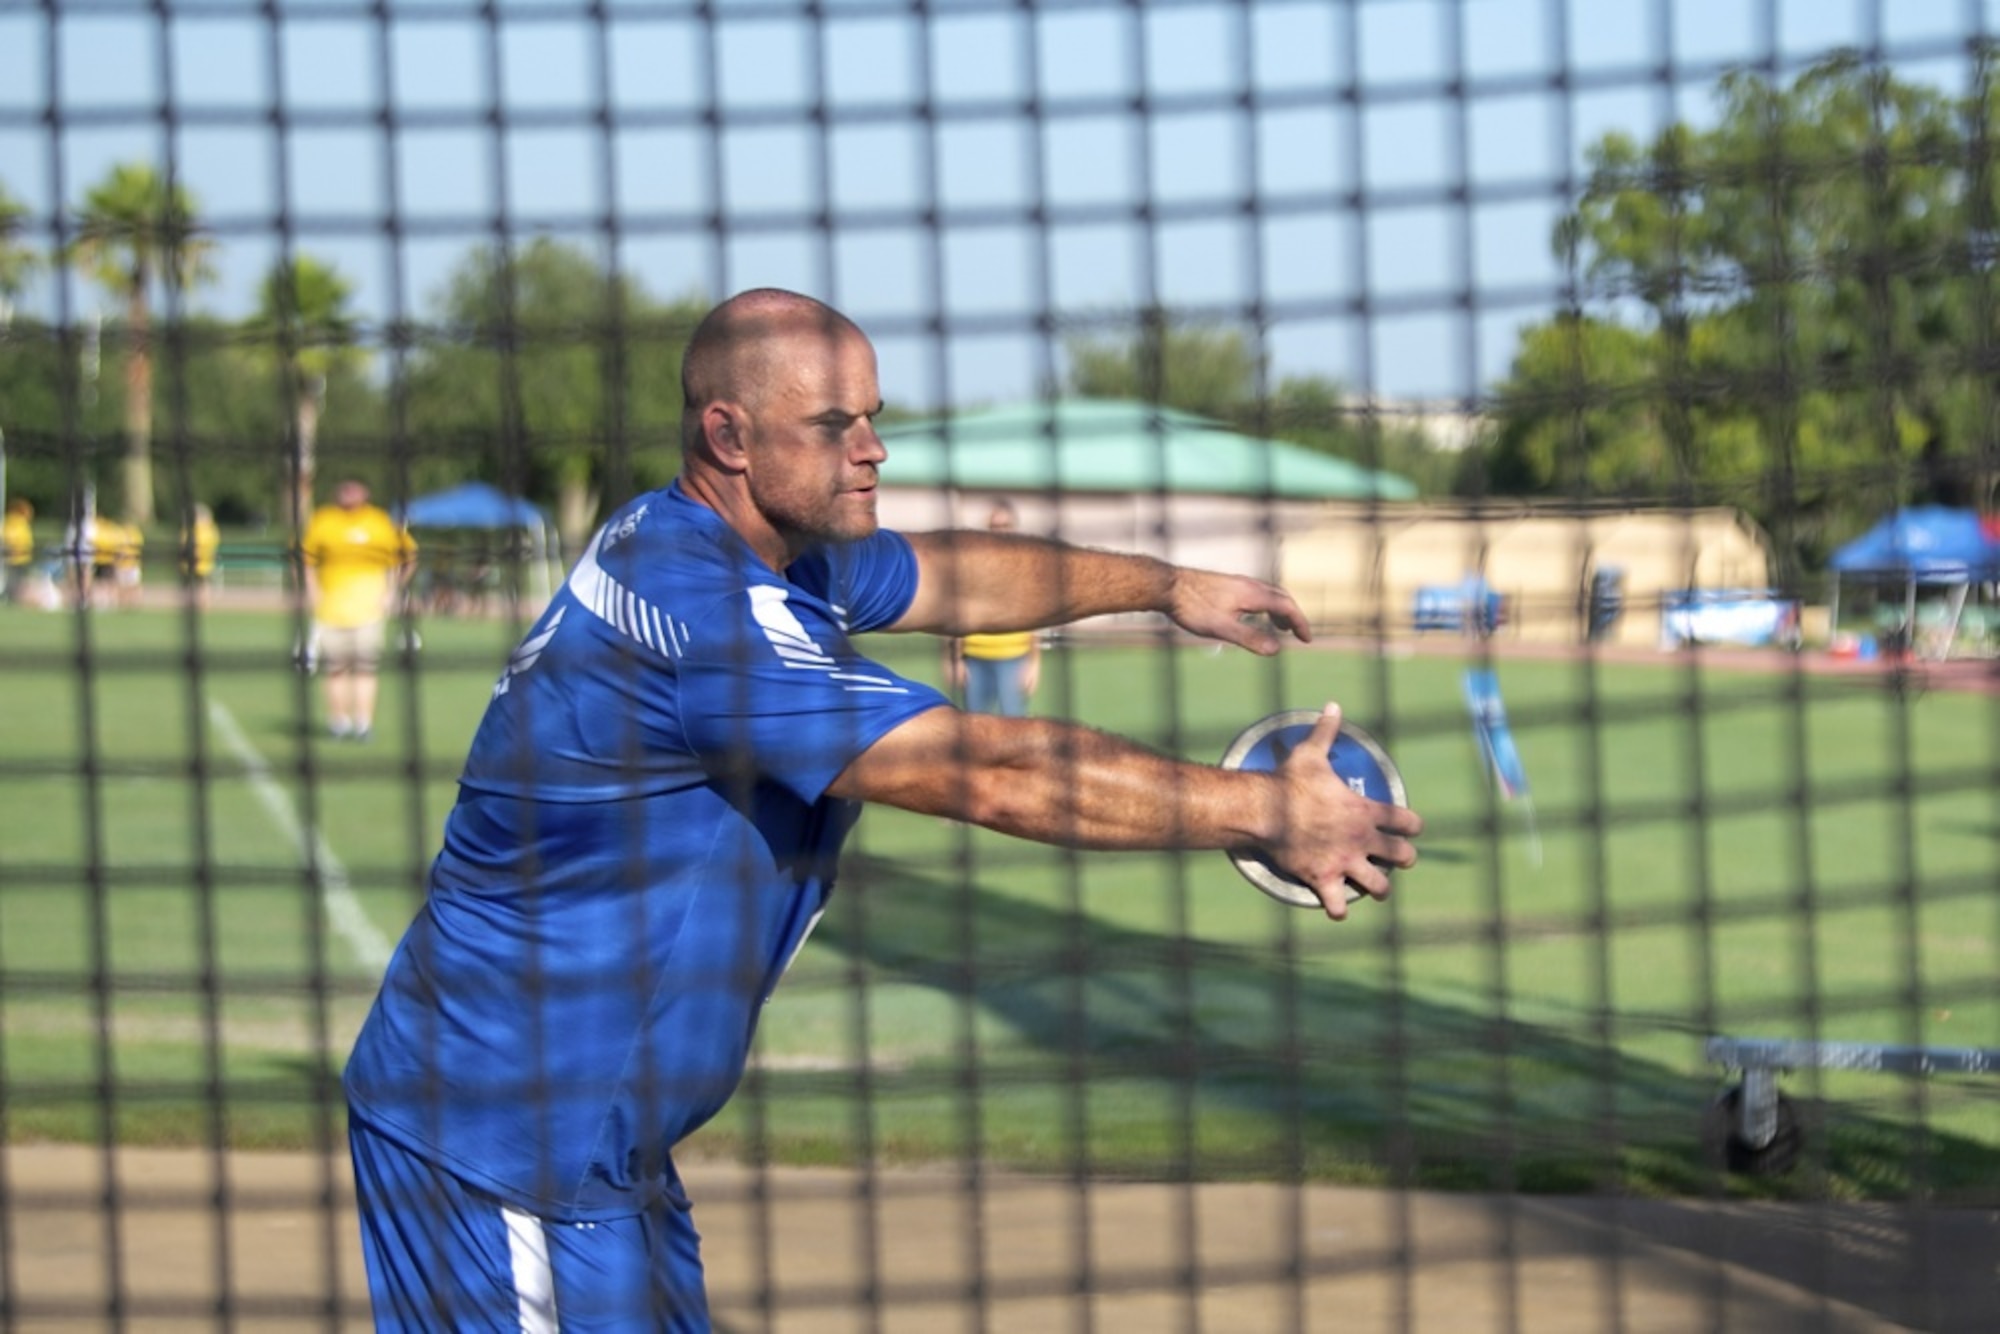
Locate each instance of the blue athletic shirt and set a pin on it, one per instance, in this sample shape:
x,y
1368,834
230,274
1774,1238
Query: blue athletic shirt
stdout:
x,y
641,841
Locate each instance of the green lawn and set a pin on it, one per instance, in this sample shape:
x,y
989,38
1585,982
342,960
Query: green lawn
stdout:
x,y
1760,855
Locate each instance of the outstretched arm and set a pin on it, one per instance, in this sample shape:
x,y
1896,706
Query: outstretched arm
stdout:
x,y
970,582
1059,783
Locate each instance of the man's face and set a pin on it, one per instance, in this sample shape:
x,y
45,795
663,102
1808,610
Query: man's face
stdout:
x,y
812,445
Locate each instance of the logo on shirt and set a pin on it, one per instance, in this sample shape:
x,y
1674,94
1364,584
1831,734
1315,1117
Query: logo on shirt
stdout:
x,y
626,527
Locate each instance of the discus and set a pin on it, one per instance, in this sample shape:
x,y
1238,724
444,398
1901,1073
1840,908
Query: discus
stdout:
x,y
1356,756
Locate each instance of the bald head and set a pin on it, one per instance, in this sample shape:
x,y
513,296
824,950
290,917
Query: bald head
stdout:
x,y
778,426
747,344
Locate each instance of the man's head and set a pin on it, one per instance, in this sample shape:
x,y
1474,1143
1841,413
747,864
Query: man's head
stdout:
x,y
351,494
777,430
1001,518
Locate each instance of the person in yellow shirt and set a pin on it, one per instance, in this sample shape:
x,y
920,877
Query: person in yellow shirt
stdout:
x,y
106,540
19,541
995,673
200,541
357,560
127,546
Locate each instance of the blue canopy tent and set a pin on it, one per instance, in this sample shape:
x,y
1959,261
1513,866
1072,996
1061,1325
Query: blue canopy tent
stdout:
x,y
477,505
1925,545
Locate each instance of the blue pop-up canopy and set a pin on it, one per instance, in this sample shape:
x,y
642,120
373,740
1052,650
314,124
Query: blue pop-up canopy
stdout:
x,y
1928,543
472,505
478,505
1925,544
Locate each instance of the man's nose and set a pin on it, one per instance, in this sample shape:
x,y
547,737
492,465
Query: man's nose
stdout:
x,y
868,446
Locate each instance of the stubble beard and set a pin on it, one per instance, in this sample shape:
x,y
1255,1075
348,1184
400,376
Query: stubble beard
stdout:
x,y
850,518
842,518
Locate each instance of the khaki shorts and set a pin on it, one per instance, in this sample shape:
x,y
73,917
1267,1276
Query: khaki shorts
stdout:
x,y
348,648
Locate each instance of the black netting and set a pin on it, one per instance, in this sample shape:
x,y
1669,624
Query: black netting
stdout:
x,y
1611,384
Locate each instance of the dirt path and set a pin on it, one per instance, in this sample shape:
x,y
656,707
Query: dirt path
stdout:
x,y
1215,1257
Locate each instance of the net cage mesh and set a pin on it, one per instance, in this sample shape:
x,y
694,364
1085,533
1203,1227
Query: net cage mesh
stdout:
x,y
1633,361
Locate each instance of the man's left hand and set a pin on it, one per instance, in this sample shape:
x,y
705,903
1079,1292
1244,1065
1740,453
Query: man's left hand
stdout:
x,y
1248,613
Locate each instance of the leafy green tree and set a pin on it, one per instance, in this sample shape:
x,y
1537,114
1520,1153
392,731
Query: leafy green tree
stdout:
x,y
1205,369
17,261
1782,310
50,430
550,376
1583,414
222,403
1213,371
1318,413
305,324
133,231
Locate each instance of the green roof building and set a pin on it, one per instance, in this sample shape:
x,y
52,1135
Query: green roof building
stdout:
x,y
1111,445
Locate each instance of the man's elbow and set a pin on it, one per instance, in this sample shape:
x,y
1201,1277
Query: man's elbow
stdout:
x,y
1004,775
996,800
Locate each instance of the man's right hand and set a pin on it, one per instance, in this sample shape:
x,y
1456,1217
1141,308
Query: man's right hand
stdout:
x,y
1330,836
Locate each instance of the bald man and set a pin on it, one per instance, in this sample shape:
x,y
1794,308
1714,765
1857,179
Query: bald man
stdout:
x,y
654,803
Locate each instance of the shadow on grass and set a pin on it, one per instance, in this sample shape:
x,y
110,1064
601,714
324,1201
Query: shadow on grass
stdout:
x,y
1103,1048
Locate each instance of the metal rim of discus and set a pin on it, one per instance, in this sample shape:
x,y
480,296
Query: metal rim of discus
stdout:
x,y
1255,869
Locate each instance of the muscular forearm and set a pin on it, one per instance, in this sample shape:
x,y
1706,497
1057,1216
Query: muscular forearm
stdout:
x,y
973,582
1083,789
1058,783
1067,785
976,582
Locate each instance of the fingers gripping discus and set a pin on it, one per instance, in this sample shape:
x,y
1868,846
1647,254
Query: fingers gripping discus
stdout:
x,y
1356,756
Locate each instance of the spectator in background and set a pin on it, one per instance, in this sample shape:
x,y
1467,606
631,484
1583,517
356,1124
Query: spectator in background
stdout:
x,y
200,540
357,560
18,539
80,552
125,545
106,537
995,673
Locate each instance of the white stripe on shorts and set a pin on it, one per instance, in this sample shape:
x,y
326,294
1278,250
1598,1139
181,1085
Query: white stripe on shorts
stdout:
x,y
534,1279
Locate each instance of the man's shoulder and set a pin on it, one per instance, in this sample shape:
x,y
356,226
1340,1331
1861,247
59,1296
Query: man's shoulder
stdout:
x,y
657,551
672,536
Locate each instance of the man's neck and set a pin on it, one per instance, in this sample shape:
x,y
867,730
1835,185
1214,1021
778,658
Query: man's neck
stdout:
x,y
730,501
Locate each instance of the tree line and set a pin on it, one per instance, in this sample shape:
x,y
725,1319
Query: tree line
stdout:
x,y
534,369
1792,311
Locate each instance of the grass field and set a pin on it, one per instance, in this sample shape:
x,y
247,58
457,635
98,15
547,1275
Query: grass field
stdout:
x,y
197,892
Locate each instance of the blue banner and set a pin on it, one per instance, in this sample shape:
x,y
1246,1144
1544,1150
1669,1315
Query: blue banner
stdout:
x,y
1490,729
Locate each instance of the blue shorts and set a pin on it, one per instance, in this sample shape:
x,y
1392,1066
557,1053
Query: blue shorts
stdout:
x,y
993,685
444,1256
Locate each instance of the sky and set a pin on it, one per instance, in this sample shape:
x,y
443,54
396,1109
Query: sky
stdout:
x,y
961,182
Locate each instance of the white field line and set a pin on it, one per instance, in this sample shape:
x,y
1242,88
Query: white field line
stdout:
x,y
343,909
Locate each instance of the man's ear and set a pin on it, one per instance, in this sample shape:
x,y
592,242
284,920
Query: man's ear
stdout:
x,y
724,429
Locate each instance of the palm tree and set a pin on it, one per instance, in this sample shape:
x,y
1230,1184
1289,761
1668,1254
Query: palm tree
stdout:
x,y
303,316
136,228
